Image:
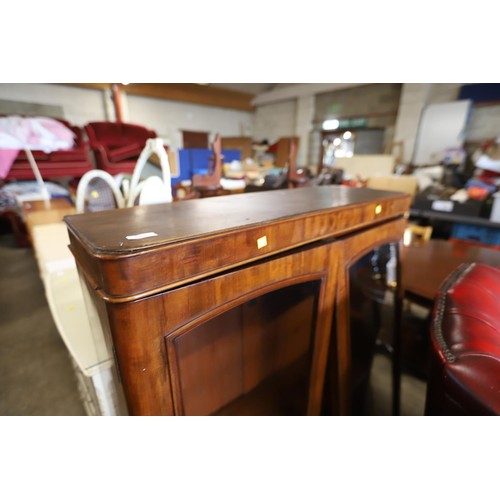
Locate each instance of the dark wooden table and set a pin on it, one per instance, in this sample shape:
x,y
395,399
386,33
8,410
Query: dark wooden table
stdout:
x,y
426,267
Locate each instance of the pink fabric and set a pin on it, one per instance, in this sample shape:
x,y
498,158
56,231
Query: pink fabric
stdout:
x,y
7,157
39,133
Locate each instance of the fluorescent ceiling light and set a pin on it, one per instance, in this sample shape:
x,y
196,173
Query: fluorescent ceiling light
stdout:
x,y
331,124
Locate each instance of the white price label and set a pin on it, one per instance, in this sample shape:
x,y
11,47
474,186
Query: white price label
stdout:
x,y
442,205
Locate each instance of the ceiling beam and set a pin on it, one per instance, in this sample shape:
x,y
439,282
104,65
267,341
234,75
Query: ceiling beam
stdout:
x,y
298,90
192,93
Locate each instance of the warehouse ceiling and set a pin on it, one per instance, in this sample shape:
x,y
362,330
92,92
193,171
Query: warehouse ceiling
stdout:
x,y
249,88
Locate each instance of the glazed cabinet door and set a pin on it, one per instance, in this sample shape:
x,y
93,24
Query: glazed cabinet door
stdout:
x,y
252,341
364,290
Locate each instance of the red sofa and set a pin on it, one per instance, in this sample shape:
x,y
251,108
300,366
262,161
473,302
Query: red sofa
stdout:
x,y
64,163
117,146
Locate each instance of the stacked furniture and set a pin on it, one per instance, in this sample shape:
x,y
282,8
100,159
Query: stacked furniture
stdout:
x,y
117,146
72,162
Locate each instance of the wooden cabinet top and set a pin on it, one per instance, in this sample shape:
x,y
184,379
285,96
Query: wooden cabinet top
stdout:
x,y
115,231
173,243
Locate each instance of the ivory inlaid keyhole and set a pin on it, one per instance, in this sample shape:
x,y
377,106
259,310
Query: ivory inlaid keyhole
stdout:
x,y
262,242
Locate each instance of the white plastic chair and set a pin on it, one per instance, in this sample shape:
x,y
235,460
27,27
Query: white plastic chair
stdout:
x,y
149,191
107,181
153,189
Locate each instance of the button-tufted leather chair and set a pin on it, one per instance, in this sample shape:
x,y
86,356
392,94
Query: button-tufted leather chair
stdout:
x,y
464,376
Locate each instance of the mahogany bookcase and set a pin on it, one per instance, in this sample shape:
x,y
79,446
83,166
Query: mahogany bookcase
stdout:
x,y
233,305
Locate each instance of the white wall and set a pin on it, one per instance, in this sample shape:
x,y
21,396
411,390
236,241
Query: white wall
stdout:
x,y
289,117
484,124
168,118
444,92
442,126
303,127
80,105
484,121
272,121
414,97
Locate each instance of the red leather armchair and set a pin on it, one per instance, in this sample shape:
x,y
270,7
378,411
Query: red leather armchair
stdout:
x,y
464,376
117,146
73,162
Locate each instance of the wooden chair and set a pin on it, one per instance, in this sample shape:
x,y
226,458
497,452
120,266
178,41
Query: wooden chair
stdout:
x,y
209,184
416,235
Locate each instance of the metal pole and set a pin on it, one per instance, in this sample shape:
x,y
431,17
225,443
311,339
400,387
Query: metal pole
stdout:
x,y
38,176
117,101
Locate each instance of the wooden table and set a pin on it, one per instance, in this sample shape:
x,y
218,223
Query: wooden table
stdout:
x,y
40,212
426,267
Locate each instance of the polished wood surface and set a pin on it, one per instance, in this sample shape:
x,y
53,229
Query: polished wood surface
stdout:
x,y
164,344
197,238
229,307
427,265
106,231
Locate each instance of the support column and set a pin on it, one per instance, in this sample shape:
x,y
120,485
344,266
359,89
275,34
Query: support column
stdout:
x,y
414,97
303,126
108,105
117,101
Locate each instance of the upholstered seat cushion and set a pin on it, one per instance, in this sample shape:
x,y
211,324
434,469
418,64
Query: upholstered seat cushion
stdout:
x,y
465,364
125,152
69,155
37,155
473,387
50,170
74,154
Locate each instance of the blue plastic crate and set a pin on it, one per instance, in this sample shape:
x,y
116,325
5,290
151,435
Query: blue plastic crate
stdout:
x,y
196,161
478,234
184,166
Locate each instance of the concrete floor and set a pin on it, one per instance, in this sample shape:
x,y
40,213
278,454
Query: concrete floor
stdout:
x,y
412,390
36,375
